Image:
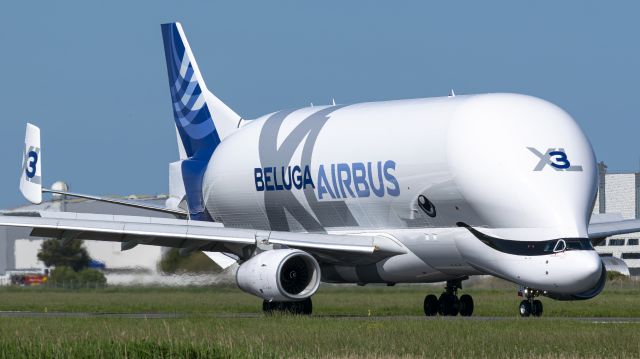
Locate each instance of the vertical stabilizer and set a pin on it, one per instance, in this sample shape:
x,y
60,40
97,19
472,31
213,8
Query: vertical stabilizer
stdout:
x,y
31,175
202,120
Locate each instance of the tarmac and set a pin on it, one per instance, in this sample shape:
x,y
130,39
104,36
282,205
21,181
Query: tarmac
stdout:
x,y
23,314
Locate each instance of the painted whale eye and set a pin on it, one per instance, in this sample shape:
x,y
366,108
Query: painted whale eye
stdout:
x,y
426,206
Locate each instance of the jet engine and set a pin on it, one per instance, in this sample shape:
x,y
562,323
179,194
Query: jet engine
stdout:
x,y
281,275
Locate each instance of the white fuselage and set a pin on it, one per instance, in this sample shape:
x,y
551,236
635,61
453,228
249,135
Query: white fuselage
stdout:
x,y
420,171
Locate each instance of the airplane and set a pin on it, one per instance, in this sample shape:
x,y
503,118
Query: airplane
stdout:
x,y
405,191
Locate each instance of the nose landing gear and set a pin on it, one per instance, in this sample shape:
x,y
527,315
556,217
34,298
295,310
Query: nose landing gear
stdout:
x,y
449,304
530,306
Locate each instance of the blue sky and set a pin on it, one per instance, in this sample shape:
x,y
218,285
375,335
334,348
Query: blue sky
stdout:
x,y
92,74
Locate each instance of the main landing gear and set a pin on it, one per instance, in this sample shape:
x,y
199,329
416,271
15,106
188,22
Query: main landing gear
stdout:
x,y
449,304
530,306
303,307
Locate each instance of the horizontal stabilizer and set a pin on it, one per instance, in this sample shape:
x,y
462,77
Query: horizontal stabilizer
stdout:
x,y
178,213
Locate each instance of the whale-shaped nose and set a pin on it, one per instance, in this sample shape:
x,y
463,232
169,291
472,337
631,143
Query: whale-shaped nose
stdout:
x,y
590,270
576,272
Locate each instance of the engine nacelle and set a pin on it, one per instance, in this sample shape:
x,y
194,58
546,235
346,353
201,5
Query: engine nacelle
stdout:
x,y
282,275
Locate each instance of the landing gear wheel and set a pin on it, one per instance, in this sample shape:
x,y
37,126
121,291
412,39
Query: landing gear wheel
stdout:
x,y
536,308
307,307
443,304
448,304
430,305
530,305
270,308
294,308
466,305
266,307
525,308
303,307
455,305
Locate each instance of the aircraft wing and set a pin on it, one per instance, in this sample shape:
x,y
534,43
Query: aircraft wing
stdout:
x,y
196,235
605,229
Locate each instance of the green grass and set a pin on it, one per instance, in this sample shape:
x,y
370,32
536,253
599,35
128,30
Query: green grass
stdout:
x,y
396,328
313,337
618,300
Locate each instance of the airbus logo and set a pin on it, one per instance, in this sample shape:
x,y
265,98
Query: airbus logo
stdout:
x,y
334,181
555,158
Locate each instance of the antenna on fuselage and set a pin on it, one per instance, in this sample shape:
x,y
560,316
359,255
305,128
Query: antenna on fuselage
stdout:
x,y
452,93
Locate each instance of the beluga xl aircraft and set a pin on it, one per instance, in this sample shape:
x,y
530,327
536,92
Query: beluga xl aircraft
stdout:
x,y
409,191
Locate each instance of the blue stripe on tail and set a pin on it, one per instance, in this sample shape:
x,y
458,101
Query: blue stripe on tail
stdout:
x,y
193,119
192,116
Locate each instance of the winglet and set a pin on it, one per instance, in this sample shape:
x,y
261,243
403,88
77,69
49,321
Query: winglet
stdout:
x,y
31,175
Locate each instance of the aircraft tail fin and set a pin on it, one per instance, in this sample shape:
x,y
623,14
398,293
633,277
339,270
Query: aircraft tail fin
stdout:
x,y
201,118
31,175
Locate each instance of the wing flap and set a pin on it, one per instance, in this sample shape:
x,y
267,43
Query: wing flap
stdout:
x,y
224,261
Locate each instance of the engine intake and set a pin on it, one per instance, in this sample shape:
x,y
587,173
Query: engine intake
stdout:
x,y
280,275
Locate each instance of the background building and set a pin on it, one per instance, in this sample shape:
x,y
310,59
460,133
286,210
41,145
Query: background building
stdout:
x,y
619,197
18,252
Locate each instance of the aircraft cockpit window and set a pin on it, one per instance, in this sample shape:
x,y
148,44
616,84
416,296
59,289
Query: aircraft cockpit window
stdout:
x,y
549,246
531,248
578,244
561,245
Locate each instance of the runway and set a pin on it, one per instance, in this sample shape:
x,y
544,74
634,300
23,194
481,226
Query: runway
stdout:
x,y
24,314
